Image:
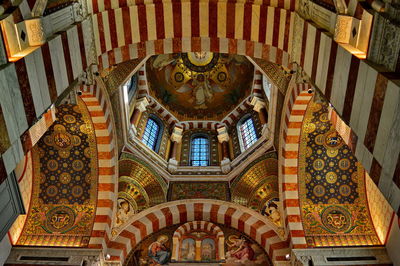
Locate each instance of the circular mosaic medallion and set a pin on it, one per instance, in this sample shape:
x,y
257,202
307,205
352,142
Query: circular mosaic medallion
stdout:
x,y
76,140
88,178
333,140
309,127
319,191
76,109
336,218
331,177
354,177
77,165
309,151
48,140
332,152
52,165
318,164
60,219
59,128
65,178
221,76
87,152
345,190
324,117
200,61
51,191
85,128
77,191
319,139
344,164
62,140
179,77
70,119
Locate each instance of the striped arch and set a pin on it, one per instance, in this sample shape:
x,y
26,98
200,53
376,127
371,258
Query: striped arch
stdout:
x,y
198,225
176,212
99,106
296,102
226,27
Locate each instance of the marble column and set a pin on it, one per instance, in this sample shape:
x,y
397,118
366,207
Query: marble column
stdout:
x,y
260,107
140,107
223,138
176,138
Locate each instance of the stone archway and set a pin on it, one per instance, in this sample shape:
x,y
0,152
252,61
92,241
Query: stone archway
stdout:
x,y
236,216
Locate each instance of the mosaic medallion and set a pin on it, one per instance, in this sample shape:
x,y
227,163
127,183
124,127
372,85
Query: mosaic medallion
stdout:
x,y
60,219
336,218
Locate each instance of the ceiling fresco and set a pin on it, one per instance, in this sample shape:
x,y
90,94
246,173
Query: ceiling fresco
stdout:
x,y
201,85
332,186
65,182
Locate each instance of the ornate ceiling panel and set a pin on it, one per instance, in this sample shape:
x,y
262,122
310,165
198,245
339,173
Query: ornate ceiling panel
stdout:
x,y
258,183
198,190
65,182
141,175
332,186
200,85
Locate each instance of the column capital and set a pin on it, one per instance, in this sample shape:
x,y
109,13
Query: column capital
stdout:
x,y
177,134
258,103
223,134
141,104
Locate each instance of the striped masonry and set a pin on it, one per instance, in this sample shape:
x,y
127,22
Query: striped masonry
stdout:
x,y
296,102
365,99
136,31
99,106
31,86
197,225
232,215
96,6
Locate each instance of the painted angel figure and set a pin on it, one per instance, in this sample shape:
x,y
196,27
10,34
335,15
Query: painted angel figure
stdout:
x,y
202,92
240,249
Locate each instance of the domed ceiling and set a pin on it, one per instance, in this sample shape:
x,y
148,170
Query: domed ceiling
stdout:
x,y
201,85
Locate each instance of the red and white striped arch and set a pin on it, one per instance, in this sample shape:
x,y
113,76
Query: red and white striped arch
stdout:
x,y
296,102
99,106
198,225
176,212
167,27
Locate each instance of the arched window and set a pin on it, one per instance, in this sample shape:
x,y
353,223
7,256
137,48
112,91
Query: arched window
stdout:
x,y
247,132
131,86
200,151
152,133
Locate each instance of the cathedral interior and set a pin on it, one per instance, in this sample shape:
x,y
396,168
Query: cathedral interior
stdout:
x,y
199,132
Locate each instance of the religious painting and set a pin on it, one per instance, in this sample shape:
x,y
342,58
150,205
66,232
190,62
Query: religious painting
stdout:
x,y
125,210
242,251
200,85
208,250
188,250
223,245
271,211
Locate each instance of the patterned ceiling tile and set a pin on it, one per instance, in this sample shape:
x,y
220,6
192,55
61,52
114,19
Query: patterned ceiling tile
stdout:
x,y
332,186
65,182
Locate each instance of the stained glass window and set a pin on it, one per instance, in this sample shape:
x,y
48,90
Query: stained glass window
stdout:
x,y
151,133
199,151
248,133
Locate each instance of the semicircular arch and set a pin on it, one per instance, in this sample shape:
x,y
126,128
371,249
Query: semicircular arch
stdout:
x,y
179,212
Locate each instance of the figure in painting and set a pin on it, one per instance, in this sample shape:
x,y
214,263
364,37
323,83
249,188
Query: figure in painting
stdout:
x,y
158,252
239,249
270,210
208,249
188,252
124,211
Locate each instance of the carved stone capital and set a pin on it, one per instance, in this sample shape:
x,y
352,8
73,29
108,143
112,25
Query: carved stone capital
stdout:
x,y
258,103
141,104
222,134
226,165
172,165
176,135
